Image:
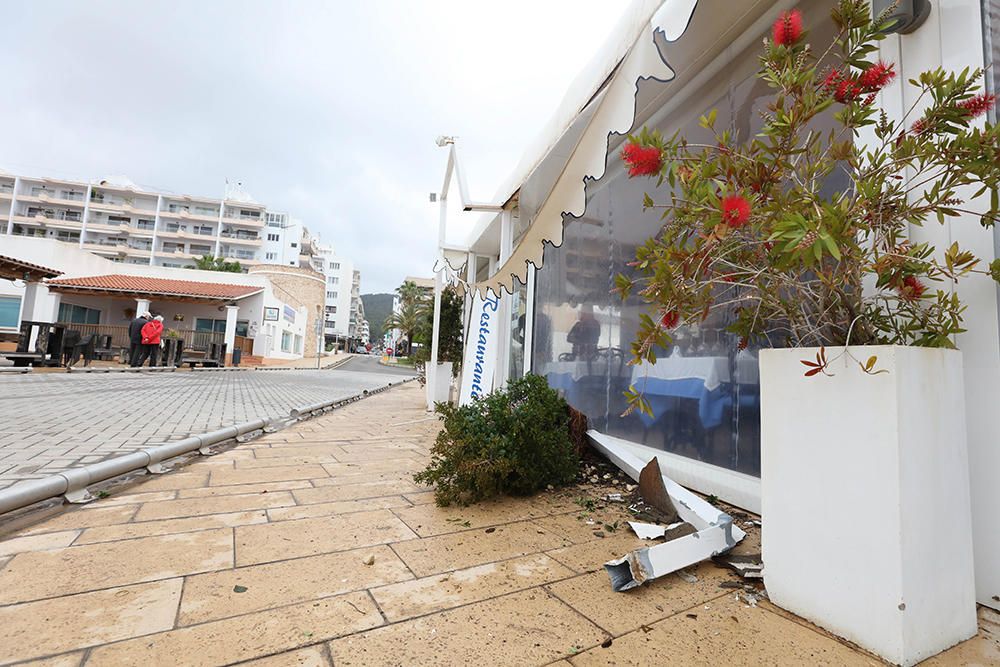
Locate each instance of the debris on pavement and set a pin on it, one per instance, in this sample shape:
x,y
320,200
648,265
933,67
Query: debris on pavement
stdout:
x,y
748,566
715,531
650,531
653,491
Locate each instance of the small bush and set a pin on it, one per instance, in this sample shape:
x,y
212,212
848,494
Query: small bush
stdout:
x,y
511,442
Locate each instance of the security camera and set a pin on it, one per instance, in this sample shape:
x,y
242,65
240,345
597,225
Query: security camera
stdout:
x,y
905,17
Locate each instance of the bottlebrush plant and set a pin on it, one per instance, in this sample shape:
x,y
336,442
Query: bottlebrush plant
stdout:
x,y
749,229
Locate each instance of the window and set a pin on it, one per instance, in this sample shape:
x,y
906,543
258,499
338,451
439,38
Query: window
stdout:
x,y
271,255
78,314
298,344
10,309
332,280
149,224
331,295
295,245
273,237
205,325
119,220
286,341
331,309
334,265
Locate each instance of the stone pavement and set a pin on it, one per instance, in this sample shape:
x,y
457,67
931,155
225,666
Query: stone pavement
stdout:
x,y
53,421
312,546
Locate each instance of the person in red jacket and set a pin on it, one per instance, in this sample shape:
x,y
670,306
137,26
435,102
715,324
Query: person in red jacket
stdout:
x,y
151,341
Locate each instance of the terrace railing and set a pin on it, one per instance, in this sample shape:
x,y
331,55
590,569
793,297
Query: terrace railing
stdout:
x,y
193,340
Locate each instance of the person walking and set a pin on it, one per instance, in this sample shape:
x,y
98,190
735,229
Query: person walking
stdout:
x,y
135,337
151,341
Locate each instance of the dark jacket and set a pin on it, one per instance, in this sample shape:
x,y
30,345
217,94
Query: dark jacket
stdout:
x,y
135,330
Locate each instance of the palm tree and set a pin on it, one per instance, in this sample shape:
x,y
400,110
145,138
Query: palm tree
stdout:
x,y
413,304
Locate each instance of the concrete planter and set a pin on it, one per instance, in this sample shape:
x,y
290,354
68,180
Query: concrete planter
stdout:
x,y
867,529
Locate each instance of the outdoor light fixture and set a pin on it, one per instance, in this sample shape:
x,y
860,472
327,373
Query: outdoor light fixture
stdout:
x,y
907,16
443,141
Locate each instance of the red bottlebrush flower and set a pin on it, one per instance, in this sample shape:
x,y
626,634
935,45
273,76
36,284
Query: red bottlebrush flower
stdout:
x,y
788,28
911,288
735,211
642,160
919,126
877,77
832,78
670,319
978,105
742,345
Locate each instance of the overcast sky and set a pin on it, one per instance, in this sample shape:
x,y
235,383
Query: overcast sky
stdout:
x,y
327,110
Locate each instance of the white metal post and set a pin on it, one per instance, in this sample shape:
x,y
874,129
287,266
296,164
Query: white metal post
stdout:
x,y
222,210
13,205
504,312
156,227
86,214
529,320
431,370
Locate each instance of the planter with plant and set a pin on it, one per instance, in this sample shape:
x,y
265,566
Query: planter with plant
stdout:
x,y
514,441
865,495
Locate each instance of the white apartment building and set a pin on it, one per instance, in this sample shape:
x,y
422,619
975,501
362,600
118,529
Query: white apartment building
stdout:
x,y
124,223
344,312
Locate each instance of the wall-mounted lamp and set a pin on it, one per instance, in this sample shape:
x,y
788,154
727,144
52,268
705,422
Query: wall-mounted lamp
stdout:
x,y
907,16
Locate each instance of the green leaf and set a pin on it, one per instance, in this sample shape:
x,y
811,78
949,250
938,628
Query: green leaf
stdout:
x,y
239,589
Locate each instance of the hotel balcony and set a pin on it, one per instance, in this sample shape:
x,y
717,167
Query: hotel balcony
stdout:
x,y
241,238
245,221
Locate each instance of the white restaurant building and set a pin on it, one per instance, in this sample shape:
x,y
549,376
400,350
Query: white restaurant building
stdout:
x,y
568,220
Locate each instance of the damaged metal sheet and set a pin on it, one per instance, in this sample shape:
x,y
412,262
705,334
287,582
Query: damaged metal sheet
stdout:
x,y
716,533
651,531
653,491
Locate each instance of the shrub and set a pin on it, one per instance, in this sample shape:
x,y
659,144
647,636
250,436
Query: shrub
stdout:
x,y
511,442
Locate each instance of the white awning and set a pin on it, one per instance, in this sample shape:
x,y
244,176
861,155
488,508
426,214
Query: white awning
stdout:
x,y
551,179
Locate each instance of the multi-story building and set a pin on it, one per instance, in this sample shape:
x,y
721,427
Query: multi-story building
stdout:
x,y
122,222
343,291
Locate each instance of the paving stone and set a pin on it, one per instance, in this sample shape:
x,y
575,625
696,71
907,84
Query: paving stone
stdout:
x,y
245,637
307,537
130,499
213,595
340,507
118,413
445,591
40,574
77,517
64,660
326,494
526,628
427,520
239,489
131,531
41,542
724,632
79,621
272,474
169,509
311,656
619,613
475,547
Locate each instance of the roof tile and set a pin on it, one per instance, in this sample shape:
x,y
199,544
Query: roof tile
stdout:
x,y
158,286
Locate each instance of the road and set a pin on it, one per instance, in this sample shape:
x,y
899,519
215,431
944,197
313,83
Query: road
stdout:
x,y
54,421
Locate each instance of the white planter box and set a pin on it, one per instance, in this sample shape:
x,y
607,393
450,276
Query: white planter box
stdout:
x,y
439,388
867,529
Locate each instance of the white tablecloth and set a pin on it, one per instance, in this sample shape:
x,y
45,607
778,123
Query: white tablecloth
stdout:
x,y
713,371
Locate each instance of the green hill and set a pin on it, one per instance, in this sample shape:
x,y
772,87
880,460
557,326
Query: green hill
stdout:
x,y
377,308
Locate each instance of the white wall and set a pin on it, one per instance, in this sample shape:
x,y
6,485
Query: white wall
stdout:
x,y
952,38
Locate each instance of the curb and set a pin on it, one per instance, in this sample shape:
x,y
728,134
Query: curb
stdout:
x,y
72,484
